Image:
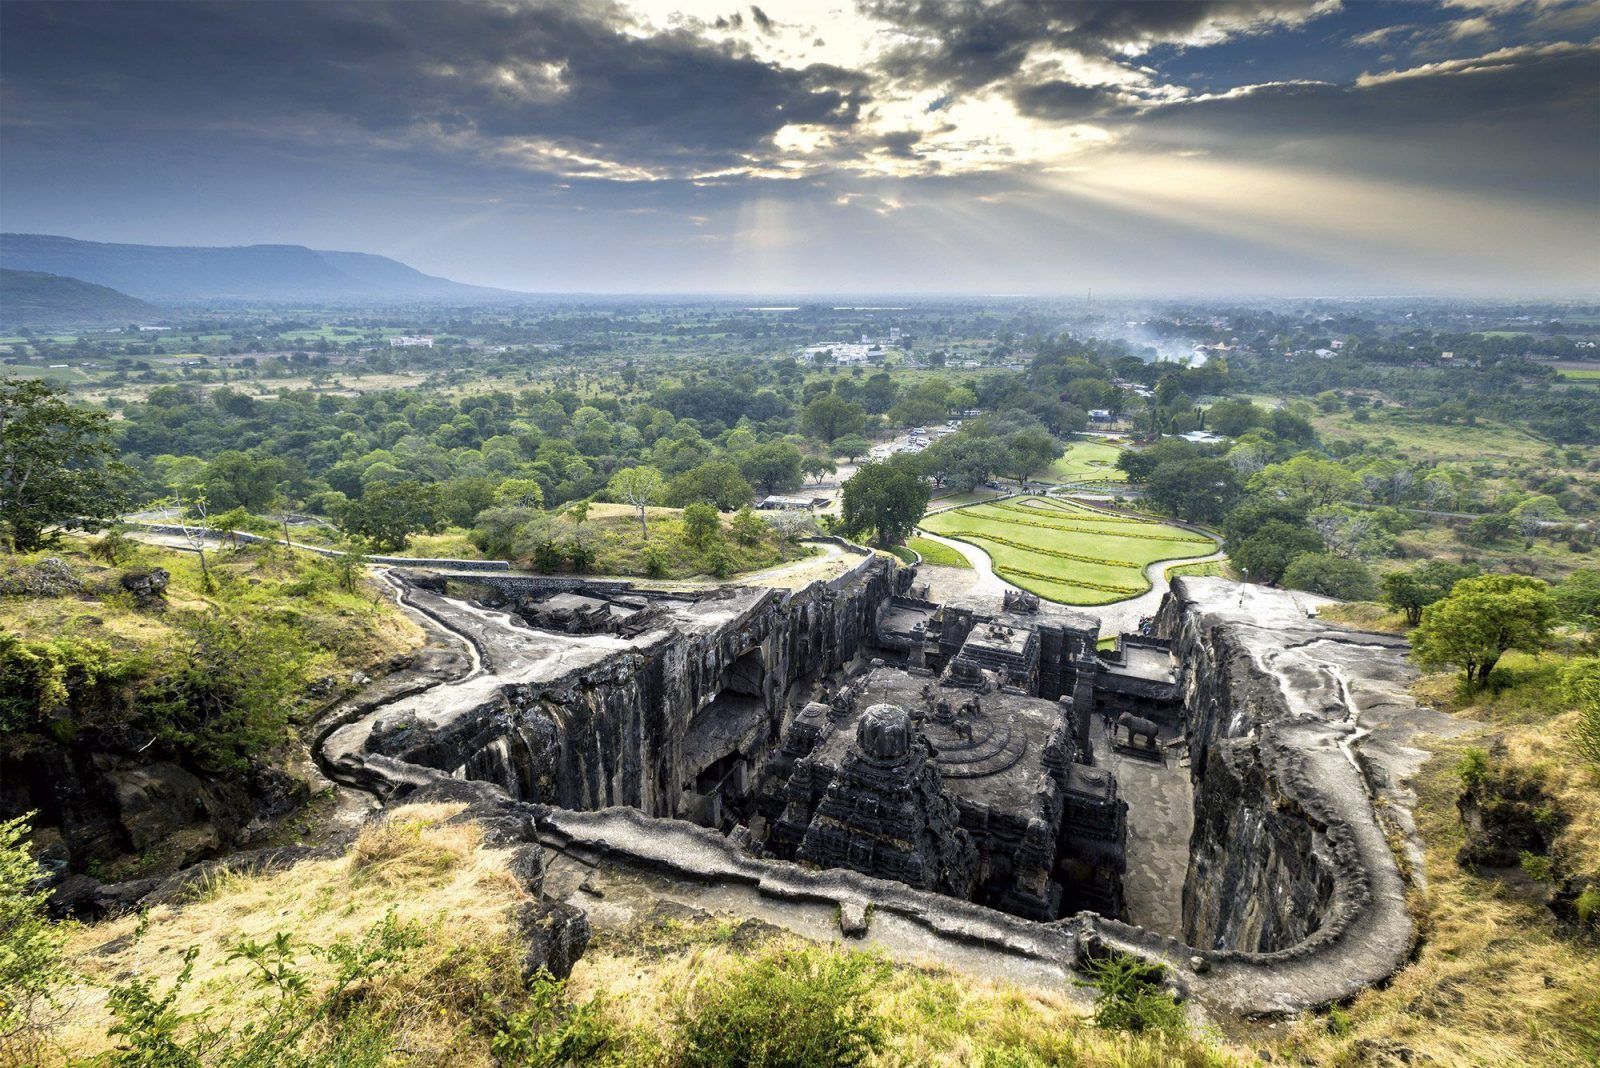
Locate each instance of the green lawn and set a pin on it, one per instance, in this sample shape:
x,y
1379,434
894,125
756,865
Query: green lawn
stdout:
x,y
1065,551
1087,460
934,553
1584,375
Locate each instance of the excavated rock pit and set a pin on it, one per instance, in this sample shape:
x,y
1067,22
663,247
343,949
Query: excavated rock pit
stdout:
x,y
619,743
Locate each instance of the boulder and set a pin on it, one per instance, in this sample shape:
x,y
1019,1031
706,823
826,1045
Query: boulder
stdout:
x,y
148,585
554,936
156,801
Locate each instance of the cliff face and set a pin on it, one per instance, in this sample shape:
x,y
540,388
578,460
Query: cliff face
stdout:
x,y
636,723
1259,876
1286,851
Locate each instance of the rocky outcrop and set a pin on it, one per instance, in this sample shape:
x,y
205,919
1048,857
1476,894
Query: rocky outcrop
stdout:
x,y
590,721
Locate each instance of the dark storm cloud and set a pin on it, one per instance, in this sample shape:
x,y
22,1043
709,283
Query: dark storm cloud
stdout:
x,y
1524,118
561,74
971,44
1061,100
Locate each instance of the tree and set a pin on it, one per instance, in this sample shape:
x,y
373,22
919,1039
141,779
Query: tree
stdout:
x,y
387,515
56,466
1413,589
235,480
885,500
701,525
1578,598
1267,553
962,461
831,416
818,467
1231,418
496,529
851,446
774,466
1308,481
789,525
1026,451
520,493
747,526
1483,618
716,482
639,487
1331,576
1202,490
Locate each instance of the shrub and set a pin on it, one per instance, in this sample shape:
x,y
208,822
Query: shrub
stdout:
x,y
807,1006
1473,768
30,945
551,1031
1129,996
1580,685
297,1024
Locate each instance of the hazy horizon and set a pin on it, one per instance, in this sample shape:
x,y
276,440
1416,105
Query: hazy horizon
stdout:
x,y
897,147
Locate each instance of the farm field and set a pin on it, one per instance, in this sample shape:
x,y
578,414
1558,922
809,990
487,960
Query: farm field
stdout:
x,y
1068,552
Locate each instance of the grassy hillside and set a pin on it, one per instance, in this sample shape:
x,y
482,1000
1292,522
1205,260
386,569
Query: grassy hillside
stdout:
x,y
427,906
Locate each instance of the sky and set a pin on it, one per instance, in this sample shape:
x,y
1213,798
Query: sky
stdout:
x,y
1186,148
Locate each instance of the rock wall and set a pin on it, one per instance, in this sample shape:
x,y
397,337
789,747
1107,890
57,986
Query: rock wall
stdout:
x,y
615,732
1260,877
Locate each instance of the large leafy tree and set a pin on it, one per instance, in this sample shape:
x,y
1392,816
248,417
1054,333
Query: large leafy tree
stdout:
x,y
774,466
715,482
1413,589
1027,451
388,515
1481,620
1202,490
884,500
56,466
830,416
1267,553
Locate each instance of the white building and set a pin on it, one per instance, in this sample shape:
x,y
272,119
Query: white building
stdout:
x,y
406,341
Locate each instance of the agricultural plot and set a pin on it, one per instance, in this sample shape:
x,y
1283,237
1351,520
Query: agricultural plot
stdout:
x,y
1068,552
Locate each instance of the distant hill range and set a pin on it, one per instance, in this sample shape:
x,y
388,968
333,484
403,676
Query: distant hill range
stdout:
x,y
35,299
246,272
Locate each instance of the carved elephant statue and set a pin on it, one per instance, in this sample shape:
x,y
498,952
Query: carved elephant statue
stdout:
x,y
1138,727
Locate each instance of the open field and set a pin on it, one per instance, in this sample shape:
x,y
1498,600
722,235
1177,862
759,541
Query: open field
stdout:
x,y
1419,440
1586,375
1068,552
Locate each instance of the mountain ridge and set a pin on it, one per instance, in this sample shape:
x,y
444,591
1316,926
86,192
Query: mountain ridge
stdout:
x,y
40,299
266,272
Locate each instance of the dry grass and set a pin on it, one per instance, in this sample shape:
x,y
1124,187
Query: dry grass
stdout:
x,y
1497,981
414,864
932,1016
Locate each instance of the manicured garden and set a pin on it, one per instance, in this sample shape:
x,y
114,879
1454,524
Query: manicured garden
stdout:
x,y
935,553
1068,552
1087,461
